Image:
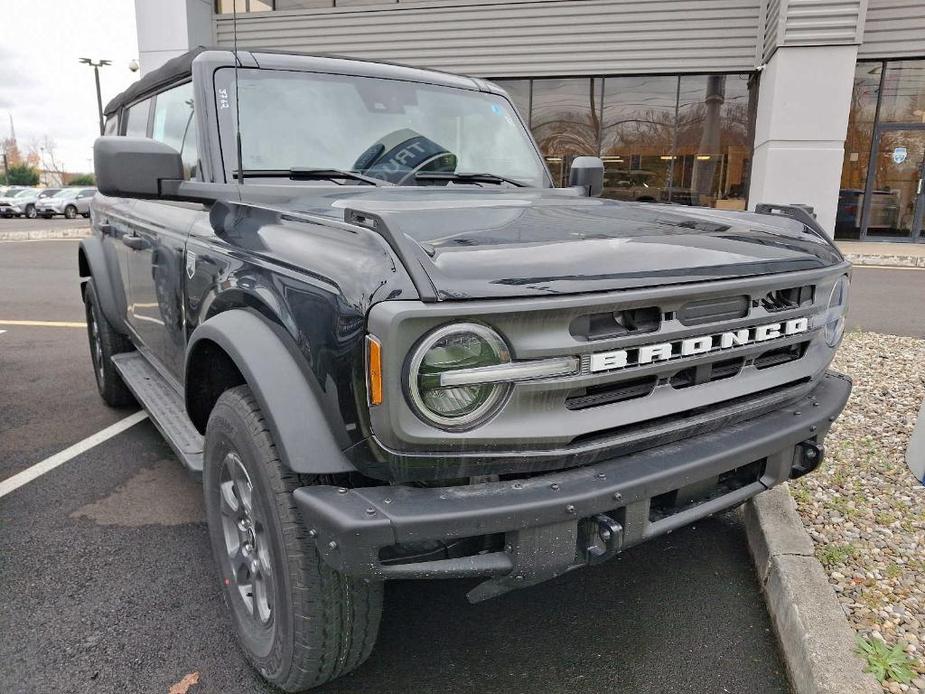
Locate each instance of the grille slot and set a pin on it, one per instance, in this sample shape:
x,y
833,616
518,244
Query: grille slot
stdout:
x,y
707,373
782,355
787,299
713,310
609,393
631,321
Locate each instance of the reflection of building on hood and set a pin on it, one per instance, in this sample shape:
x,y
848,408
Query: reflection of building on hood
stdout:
x,y
401,153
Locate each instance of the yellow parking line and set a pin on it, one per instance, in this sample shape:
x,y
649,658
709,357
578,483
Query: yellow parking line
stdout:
x,y
44,323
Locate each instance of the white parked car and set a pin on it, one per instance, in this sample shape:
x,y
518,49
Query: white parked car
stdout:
x,y
69,201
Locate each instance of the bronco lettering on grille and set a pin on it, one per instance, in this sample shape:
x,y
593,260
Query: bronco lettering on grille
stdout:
x,y
691,346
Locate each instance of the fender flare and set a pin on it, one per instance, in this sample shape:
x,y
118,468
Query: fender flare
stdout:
x,y
92,250
292,410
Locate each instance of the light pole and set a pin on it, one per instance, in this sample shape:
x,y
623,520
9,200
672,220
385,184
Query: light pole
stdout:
x,y
96,73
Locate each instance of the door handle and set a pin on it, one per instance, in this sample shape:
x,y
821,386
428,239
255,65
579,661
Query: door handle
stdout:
x,y
136,243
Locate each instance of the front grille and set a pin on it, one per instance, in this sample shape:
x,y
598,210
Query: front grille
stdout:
x,y
787,299
609,393
707,373
712,310
632,321
781,355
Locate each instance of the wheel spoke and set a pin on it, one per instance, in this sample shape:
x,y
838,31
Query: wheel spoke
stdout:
x,y
230,506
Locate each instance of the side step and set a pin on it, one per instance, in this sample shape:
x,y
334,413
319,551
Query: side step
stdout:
x,y
164,405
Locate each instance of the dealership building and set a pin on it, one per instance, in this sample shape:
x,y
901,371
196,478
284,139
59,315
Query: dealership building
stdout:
x,y
723,103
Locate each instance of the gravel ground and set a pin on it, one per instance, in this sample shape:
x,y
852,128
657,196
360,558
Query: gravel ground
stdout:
x,y
864,509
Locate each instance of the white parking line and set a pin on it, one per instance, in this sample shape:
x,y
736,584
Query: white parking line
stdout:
x,y
20,478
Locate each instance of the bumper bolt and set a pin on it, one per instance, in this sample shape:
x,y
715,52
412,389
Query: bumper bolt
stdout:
x,y
554,487
370,511
617,496
601,476
797,413
570,509
518,485
341,490
518,577
813,428
313,533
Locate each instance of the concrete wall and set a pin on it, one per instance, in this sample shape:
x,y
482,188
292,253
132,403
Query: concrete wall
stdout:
x,y
803,103
167,28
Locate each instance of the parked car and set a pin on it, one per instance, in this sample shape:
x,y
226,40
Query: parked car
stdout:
x,y
9,191
69,202
19,203
393,350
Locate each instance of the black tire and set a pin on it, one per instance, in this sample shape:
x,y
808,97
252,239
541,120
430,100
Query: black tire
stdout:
x,y
104,343
70,212
30,212
299,622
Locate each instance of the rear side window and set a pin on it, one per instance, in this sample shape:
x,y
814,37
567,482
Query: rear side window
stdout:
x,y
175,125
136,119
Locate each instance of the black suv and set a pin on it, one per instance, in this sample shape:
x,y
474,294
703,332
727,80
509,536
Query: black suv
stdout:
x,y
348,294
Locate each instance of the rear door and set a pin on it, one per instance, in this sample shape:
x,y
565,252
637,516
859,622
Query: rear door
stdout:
x,y
157,267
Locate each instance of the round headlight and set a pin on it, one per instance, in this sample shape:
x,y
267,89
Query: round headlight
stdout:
x,y
835,312
451,348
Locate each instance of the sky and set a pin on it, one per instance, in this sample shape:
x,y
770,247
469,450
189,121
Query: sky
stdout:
x,y
42,84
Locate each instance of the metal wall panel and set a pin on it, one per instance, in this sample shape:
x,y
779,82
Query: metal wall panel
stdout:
x,y
813,23
894,29
495,38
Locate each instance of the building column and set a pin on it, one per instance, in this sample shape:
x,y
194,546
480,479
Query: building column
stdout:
x,y
168,28
803,102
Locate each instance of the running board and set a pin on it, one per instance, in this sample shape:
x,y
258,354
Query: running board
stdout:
x,y
164,405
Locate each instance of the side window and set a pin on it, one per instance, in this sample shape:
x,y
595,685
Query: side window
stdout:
x,y
175,125
110,127
136,119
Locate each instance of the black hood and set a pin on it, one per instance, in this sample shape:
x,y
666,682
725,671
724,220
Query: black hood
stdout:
x,y
480,243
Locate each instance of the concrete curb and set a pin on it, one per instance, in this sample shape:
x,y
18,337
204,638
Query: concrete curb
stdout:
x,y
45,234
816,640
893,260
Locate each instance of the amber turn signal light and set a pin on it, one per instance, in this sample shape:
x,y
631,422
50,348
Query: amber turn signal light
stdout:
x,y
374,370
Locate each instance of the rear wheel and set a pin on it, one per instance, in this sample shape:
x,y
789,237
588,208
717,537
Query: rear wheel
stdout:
x,y
299,622
70,212
30,212
104,343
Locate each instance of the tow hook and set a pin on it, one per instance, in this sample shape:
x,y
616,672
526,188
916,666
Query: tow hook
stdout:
x,y
604,538
809,456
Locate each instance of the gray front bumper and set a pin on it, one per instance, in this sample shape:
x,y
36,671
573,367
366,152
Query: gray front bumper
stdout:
x,y
543,517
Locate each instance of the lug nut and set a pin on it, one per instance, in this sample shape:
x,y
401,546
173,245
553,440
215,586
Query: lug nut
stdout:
x,y
570,509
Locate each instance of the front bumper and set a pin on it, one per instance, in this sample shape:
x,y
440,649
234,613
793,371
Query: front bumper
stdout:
x,y
559,521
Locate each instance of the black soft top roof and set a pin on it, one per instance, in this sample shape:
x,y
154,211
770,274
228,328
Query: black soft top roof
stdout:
x,y
180,67
171,71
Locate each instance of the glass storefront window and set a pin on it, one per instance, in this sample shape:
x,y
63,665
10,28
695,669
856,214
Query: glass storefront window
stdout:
x,y
903,92
231,6
565,120
714,141
637,140
861,120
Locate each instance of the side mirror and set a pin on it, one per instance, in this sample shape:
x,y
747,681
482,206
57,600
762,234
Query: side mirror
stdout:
x,y
134,167
587,173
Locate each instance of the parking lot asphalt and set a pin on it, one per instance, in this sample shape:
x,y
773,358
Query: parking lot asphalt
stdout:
x,y
23,224
110,585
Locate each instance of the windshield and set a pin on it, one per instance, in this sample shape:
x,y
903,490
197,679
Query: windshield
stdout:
x,y
385,129
27,193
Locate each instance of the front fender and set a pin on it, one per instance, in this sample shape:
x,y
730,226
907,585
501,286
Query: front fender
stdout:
x,y
282,389
109,289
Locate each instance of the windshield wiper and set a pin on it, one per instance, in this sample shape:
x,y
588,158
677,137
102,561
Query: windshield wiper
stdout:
x,y
300,174
466,177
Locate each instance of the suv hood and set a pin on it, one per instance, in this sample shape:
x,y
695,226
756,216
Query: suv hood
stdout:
x,y
479,243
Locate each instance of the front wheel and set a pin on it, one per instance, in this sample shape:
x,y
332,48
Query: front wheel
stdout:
x,y
104,343
299,622
30,212
70,212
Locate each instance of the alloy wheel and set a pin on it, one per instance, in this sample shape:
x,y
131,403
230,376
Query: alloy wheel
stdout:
x,y
247,552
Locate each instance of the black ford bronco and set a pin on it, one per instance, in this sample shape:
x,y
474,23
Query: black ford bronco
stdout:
x,y
348,295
